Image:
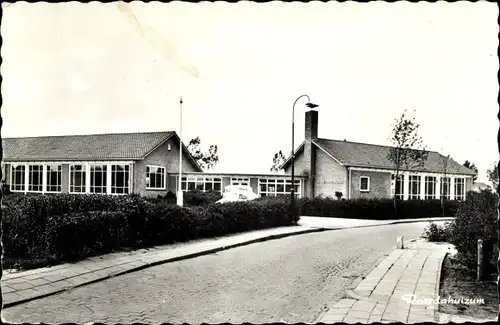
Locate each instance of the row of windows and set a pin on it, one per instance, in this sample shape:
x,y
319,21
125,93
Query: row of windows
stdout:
x,y
119,182
430,187
278,187
201,183
267,187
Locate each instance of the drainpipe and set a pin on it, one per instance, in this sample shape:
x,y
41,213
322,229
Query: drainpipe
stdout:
x,y
349,183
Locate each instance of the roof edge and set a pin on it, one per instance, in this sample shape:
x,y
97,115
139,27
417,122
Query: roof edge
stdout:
x,y
329,154
289,159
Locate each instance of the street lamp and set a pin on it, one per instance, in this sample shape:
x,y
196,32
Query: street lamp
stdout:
x,y
180,195
292,192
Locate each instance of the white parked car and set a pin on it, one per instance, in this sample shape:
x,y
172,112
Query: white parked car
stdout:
x,y
235,193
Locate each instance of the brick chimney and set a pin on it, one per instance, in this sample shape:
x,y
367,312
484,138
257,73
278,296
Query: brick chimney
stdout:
x,y
311,125
311,134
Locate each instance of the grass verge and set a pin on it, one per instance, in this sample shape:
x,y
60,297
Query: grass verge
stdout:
x,y
458,282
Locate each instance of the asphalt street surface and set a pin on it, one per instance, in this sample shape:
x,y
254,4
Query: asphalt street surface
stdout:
x,y
292,279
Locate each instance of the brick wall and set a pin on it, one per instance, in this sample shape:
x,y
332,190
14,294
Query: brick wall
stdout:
x,y
330,176
164,158
380,185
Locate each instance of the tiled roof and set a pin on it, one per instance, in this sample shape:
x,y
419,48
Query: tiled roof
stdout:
x,y
121,146
356,154
375,156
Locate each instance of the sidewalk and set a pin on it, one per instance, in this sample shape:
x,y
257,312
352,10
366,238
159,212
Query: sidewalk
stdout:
x,y
342,223
409,274
23,286
19,287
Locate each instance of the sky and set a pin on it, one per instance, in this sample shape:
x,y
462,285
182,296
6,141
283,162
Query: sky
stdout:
x,y
73,68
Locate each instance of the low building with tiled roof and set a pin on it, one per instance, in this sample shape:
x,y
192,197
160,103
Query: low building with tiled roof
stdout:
x,y
141,163
98,163
148,164
361,170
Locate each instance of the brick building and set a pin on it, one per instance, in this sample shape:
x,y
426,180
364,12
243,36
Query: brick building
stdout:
x,y
148,164
142,163
360,170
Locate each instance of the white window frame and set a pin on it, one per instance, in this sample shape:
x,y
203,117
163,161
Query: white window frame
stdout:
x,y
459,181
12,178
197,179
430,181
105,171
411,180
368,184
4,172
46,173
240,181
29,175
447,196
129,180
401,181
164,178
274,182
86,178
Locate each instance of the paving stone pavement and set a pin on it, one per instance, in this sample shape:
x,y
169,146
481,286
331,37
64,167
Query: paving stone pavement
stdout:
x,y
18,287
402,288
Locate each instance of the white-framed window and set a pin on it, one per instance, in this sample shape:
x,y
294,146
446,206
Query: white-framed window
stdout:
x,y
4,172
35,178
364,184
277,187
155,177
414,183
120,179
98,178
18,177
430,187
444,188
77,178
460,188
398,186
240,181
201,183
54,176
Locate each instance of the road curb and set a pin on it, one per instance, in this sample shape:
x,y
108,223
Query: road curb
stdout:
x,y
438,285
384,224
169,260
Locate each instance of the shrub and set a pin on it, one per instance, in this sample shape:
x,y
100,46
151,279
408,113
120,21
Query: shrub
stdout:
x,y
377,209
476,219
436,233
199,198
78,235
40,229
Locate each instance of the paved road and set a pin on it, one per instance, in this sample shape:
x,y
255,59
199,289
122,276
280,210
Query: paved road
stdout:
x,y
291,279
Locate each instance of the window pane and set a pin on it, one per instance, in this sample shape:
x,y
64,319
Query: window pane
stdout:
x,y
120,179
18,177
364,183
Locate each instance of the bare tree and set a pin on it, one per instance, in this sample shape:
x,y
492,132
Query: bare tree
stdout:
x,y
278,160
206,160
444,164
408,151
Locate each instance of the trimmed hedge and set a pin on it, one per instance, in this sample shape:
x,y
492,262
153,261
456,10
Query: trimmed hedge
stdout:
x,y
375,209
64,227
